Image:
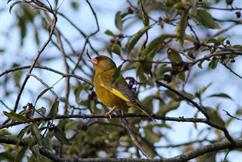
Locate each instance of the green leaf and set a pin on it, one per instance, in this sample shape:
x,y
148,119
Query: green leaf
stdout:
x,y
37,36
174,56
14,117
118,20
54,108
153,46
42,93
36,153
182,76
215,117
17,75
140,72
188,95
208,157
109,32
145,18
130,45
36,133
117,73
22,132
217,42
2,50
221,95
213,64
153,137
148,101
6,156
4,132
146,67
206,19
181,27
41,110
75,5
200,64
116,48
204,89
169,107
60,135
22,24
20,154
170,3
147,147
77,91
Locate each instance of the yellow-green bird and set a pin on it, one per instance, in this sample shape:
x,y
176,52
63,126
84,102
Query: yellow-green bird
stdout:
x,y
113,93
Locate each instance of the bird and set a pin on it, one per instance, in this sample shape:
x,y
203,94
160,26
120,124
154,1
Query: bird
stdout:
x,y
112,89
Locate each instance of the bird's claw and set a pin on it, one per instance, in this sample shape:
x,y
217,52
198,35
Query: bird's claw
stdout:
x,y
122,113
109,115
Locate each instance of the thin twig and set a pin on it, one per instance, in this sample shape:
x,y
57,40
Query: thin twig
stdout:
x,y
202,110
35,61
48,69
234,117
232,71
186,143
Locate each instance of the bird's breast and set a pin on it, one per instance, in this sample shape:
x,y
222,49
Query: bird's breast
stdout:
x,y
107,97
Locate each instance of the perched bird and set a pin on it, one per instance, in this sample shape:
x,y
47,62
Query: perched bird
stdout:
x,y
113,92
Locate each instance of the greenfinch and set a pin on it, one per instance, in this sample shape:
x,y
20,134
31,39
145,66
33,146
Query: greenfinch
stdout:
x,y
113,92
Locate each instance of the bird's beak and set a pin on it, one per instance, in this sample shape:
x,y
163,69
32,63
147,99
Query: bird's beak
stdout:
x,y
93,61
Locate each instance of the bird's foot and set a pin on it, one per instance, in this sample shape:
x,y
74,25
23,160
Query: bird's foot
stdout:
x,y
123,113
109,115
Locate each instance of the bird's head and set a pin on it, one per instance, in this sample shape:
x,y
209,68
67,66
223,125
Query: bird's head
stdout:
x,y
102,63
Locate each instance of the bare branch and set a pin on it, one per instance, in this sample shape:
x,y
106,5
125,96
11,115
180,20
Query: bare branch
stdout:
x,y
48,69
53,24
96,116
180,158
201,109
43,151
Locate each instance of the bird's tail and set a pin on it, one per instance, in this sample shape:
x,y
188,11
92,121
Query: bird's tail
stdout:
x,y
128,127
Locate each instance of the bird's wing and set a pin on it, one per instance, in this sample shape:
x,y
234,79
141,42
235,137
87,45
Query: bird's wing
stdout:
x,y
119,87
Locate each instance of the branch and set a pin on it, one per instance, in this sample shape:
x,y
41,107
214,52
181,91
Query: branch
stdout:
x,y
186,143
43,151
202,109
45,68
36,59
223,9
234,117
180,158
154,116
205,149
224,52
231,70
87,38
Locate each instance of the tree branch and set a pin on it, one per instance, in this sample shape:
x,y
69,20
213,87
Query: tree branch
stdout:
x,y
43,151
202,109
36,59
45,68
154,116
180,158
